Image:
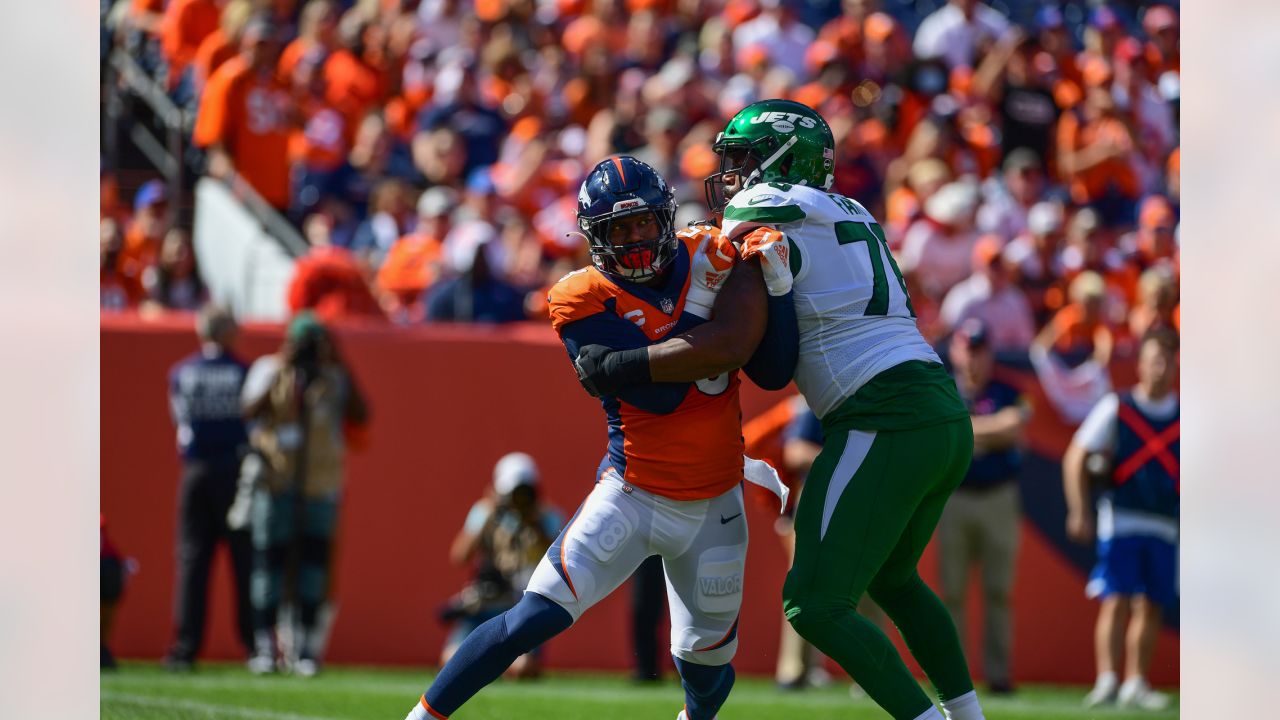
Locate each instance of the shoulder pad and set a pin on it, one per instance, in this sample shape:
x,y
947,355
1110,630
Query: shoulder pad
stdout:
x,y
762,204
577,295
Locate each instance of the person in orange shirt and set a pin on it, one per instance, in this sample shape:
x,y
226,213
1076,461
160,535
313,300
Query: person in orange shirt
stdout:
x,y
220,45
116,292
412,264
318,149
354,85
317,31
1079,332
185,25
1096,150
246,116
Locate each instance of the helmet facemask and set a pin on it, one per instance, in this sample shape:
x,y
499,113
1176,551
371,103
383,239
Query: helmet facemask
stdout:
x,y
742,165
615,249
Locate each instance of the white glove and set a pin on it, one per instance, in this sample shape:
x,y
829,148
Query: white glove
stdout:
x,y
709,269
774,252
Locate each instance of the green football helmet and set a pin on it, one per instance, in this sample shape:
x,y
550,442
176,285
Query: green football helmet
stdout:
x,y
773,141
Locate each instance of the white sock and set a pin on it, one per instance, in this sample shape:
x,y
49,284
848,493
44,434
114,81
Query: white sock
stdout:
x,y
1105,680
930,714
419,711
965,707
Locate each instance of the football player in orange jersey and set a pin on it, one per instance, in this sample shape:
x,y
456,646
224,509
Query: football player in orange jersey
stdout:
x,y
670,483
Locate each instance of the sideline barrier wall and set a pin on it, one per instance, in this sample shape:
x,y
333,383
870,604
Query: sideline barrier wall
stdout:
x,y
446,403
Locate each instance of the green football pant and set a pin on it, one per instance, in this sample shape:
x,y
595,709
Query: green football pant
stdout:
x,y
870,504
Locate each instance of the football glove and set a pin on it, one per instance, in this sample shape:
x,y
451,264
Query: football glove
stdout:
x,y
709,270
603,371
772,248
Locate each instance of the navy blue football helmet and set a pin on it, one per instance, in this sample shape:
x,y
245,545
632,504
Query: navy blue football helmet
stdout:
x,y
621,187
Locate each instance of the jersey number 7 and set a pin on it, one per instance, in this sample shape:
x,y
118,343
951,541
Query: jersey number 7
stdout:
x,y
873,235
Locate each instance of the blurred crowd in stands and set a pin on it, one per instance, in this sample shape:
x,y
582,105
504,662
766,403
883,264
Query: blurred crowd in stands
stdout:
x,y
1023,156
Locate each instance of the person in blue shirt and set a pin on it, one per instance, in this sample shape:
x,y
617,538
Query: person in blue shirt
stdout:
x,y
1135,434
204,397
980,523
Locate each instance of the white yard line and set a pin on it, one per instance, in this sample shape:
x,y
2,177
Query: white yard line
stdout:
x,y
213,709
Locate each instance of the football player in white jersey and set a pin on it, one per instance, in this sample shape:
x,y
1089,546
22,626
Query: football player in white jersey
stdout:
x,y
898,437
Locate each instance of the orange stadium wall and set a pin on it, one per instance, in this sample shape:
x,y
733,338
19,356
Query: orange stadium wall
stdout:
x,y
446,404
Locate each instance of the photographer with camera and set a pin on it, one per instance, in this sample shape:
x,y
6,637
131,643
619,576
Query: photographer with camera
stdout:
x,y
301,400
504,536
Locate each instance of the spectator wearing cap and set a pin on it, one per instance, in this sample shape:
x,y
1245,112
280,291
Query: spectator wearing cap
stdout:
x,y
1102,32
204,397
990,296
1008,204
145,233
938,248
305,403
413,263
782,36
1014,78
1149,246
980,523
957,31
1033,258
246,115
1054,40
503,538
884,48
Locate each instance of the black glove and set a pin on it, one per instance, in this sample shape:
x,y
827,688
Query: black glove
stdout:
x,y
604,372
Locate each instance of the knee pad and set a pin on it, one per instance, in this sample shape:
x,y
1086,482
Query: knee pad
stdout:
x,y
533,621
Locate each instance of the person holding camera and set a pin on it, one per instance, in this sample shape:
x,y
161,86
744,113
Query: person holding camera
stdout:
x,y
302,400
504,536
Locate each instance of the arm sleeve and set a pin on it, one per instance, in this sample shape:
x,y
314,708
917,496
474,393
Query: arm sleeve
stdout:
x,y
773,363
213,116
1098,431
658,398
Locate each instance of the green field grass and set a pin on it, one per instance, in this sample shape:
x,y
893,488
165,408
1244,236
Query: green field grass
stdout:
x,y
145,692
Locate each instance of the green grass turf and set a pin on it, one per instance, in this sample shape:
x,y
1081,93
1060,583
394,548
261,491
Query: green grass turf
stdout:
x,y
216,691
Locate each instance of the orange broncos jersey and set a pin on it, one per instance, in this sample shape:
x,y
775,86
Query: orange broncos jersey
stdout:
x,y
678,440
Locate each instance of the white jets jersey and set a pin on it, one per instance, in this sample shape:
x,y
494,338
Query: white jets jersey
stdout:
x,y
854,314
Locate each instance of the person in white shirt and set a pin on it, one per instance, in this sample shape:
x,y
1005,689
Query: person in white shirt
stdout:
x,y
989,296
778,30
938,247
955,31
